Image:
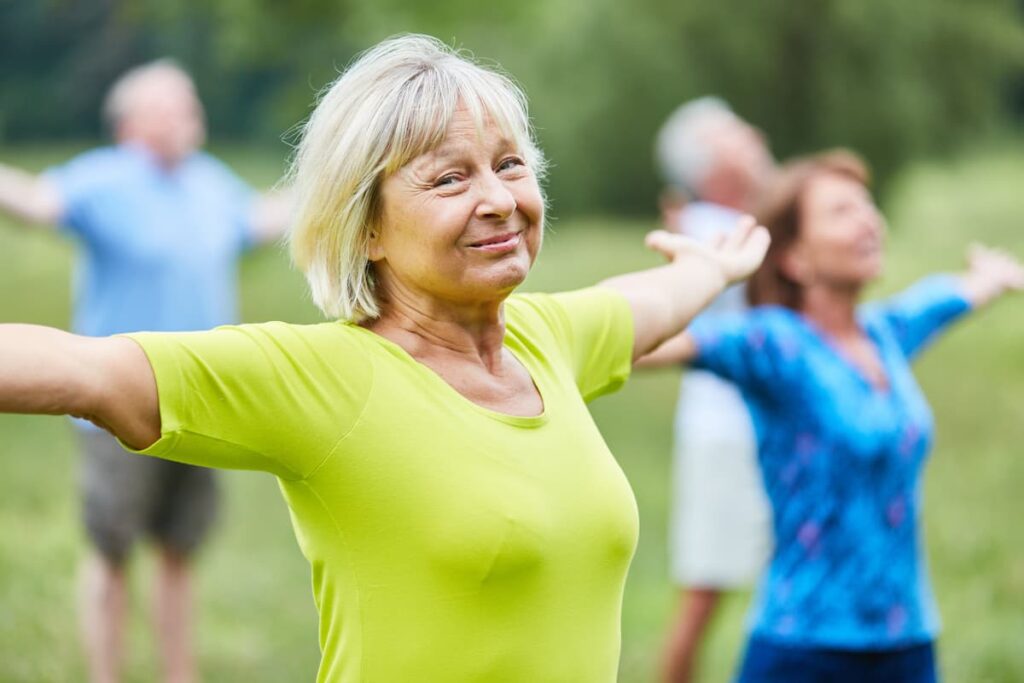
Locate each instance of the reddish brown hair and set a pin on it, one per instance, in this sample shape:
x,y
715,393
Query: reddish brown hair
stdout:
x,y
780,210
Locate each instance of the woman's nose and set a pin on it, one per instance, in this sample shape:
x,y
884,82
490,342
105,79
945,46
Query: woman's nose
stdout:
x,y
496,200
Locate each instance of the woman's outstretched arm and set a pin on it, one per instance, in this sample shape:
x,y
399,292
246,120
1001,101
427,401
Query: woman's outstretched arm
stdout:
x,y
107,380
919,314
679,350
665,299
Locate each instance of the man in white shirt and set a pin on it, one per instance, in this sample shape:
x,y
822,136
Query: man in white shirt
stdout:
x,y
720,532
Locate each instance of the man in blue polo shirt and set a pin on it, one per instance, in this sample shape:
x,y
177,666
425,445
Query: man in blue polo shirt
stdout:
x,y
161,226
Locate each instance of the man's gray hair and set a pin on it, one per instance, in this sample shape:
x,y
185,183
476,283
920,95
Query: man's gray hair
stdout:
x,y
682,153
118,98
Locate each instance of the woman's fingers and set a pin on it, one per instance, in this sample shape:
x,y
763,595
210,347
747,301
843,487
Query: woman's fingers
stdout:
x,y
752,253
668,244
997,266
741,232
1014,273
761,240
738,254
660,241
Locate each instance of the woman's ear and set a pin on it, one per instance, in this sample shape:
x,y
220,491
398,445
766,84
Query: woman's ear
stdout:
x,y
375,249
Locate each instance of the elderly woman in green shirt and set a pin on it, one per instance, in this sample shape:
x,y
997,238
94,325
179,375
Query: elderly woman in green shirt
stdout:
x,y
462,515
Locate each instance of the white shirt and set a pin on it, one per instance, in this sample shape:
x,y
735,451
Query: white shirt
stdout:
x,y
707,402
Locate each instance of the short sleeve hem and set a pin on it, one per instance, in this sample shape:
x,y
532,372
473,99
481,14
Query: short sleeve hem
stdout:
x,y
594,326
623,366
163,369
169,394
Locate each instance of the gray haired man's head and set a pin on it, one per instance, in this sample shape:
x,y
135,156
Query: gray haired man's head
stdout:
x,y
683,153
710,153
155,105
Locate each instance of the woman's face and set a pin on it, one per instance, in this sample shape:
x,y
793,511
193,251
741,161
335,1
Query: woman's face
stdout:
x,y
841,234
462,223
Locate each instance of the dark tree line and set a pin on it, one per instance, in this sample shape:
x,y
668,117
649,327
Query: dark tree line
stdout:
x,y
895,80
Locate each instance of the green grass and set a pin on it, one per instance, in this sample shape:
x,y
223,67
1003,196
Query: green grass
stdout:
x,y
257,621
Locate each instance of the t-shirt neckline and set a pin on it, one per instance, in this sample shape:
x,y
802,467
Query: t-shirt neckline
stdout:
x,y
524,421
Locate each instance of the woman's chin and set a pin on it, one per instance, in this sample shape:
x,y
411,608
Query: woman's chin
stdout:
x,y
502,277
857,281
869,271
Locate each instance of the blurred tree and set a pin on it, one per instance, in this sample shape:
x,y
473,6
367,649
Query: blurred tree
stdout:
x,y
894,80
56,59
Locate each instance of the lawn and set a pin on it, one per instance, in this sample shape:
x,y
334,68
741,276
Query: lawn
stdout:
x,y
257,621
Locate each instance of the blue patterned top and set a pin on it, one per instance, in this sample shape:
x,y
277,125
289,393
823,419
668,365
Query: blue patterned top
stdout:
x,y
841,461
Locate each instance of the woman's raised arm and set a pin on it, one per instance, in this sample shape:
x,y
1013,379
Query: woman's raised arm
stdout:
x,y
107,380
665,299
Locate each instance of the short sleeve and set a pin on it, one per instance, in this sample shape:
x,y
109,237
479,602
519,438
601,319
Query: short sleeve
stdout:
x,y
919,314
755,350
272,397
593,330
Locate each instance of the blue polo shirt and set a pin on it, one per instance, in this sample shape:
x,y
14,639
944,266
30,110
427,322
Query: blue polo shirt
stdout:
x,y
159,247
841,461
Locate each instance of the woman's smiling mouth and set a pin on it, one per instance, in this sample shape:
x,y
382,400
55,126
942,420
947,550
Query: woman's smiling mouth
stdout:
x,y
498,243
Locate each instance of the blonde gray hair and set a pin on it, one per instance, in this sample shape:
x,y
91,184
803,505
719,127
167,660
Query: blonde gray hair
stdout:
x,y
394,103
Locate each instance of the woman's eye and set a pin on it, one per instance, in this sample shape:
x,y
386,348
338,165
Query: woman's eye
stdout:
x,y
446,180
510,162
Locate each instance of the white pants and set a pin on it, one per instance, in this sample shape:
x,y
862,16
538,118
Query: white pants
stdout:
x,y
720,529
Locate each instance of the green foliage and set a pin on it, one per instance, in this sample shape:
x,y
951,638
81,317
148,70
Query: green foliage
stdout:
x,y
895,80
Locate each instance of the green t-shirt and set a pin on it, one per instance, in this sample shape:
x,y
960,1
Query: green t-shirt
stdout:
x,y
448,542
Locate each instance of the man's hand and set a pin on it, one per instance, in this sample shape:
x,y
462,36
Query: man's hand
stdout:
x,y
29,197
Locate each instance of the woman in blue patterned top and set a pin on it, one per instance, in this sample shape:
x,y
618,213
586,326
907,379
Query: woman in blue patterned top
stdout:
x,y
843,429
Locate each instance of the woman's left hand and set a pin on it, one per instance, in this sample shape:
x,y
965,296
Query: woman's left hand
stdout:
x,y
665,299
736,254
991,273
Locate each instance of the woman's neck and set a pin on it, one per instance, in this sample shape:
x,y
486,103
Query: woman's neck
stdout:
x,y
832,309
426,327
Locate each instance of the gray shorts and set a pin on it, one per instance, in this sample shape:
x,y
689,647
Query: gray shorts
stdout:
x,y
126,496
